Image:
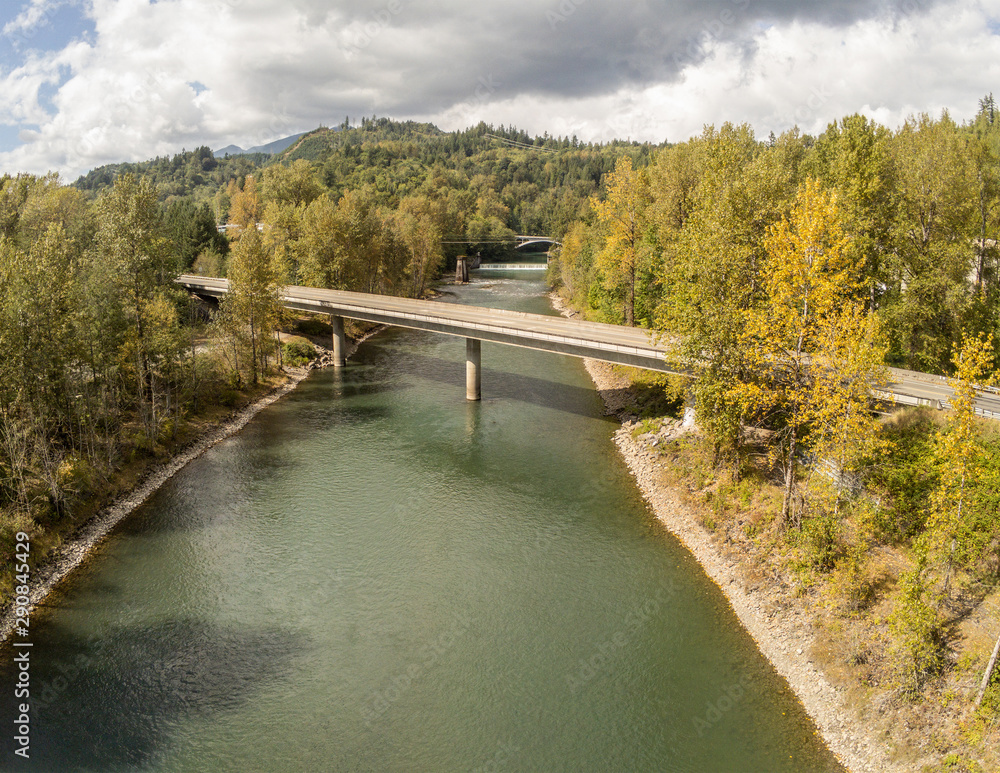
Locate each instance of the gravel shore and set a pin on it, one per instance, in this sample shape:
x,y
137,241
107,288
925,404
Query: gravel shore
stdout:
x,y
781,627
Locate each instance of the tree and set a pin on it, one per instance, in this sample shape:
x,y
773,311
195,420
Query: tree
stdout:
x,y
245,209
958,451
192,230
323,262
930,300
622,214
849,361
809,278
416,222
295,184
674,176
132,247
711,276
253,302
855,157
282,232
37,343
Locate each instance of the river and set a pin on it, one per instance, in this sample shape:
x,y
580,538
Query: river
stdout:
x,y
376,575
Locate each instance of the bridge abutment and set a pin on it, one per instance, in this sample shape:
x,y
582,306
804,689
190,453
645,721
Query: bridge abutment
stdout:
x,y
339,341
473,370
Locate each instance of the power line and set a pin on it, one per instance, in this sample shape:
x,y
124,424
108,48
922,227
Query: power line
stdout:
x,y
523,145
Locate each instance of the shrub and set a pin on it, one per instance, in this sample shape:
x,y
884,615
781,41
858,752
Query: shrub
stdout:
x,y
298,353
906,475
75,475
916,634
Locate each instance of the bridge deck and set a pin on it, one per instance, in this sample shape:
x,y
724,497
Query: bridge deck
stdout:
x,y
599,341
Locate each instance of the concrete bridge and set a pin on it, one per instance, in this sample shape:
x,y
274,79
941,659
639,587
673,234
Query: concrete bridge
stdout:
x,y
611,343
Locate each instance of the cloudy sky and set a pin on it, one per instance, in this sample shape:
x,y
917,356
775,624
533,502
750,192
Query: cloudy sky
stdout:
x,y
87,82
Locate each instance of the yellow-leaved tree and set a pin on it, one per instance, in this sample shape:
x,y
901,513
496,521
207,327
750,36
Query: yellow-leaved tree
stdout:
x,y
245,208
622,213
849,360
821,351
958,449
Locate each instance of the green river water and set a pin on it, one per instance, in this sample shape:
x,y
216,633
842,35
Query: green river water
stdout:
x,y
376,575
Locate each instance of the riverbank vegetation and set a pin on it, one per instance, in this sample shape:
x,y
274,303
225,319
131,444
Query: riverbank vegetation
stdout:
x,y
106,368
786,275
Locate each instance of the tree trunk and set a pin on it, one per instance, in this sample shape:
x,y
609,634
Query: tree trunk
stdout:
x,y
989,673
786,504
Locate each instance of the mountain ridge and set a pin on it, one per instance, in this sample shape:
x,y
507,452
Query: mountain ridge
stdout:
x,y
271,148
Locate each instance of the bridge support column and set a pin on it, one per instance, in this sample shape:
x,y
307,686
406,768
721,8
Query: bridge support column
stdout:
x,y
339,341
473,377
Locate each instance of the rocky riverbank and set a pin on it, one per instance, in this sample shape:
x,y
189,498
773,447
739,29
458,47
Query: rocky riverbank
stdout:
x,y
781,626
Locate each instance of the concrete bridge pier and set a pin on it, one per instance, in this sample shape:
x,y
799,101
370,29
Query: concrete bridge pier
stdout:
x,y
339,341
473,375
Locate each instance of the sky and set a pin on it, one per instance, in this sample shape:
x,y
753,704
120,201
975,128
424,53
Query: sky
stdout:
x,y
89,82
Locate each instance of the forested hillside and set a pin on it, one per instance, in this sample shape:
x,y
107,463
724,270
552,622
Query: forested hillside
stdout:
x,y
475,189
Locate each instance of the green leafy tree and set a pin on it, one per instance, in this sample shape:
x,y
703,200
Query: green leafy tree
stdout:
x,y
253,304
295,184
131,245
855,157
711,276
931,297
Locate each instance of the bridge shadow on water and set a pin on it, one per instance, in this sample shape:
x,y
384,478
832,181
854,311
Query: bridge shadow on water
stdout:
x,y
496,384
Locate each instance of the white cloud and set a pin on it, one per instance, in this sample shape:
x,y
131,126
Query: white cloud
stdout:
x,y
270,68
36,14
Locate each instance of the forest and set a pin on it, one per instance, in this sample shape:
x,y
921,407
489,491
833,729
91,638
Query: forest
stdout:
x,y
785,272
